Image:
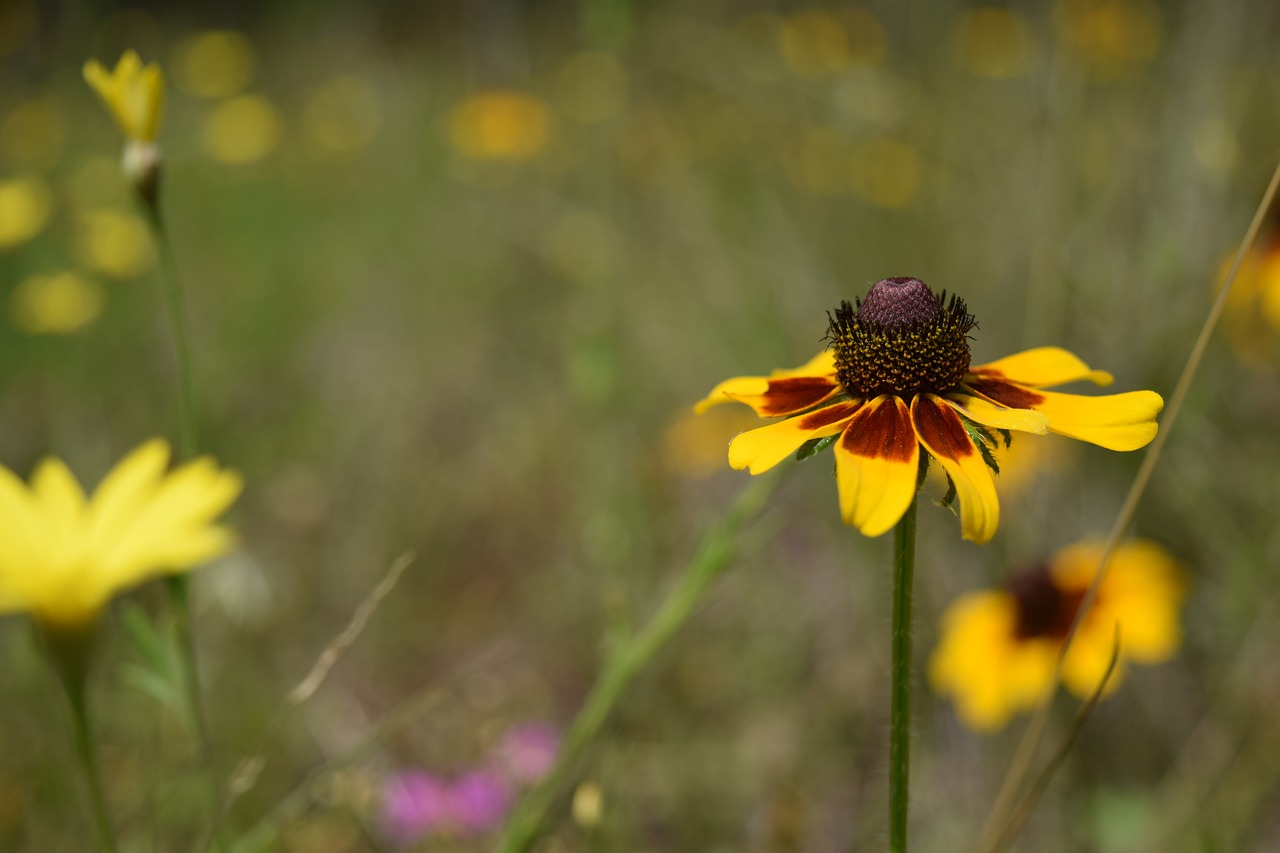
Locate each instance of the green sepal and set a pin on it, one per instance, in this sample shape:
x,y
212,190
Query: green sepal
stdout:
x,y
814,446
950,497
983,441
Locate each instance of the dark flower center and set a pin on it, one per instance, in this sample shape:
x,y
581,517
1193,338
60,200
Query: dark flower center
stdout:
x,y
902,339
1044,610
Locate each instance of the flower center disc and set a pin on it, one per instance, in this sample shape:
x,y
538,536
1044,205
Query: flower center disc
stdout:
x,y
902,339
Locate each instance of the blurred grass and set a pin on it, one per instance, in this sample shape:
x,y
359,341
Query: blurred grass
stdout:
x,y
406,347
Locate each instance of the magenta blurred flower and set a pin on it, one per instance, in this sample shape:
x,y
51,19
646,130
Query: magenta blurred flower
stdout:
x,y
527,753
417,804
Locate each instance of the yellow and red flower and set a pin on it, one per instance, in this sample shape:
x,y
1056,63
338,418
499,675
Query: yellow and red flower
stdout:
x,y
897,378
998,649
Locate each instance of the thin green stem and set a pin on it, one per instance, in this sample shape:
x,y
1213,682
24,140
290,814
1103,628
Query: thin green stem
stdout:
x,y
904,564
713,556
87,759
175,306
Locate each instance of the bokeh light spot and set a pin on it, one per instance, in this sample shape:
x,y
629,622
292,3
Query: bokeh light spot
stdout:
x,y
215,64
994,42
242,130
819,42
115,243
56,304
25,205
501,125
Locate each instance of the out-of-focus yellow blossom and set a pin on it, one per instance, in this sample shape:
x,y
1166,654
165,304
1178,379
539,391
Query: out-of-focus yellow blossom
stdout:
x,y
501,125
998,648
1112,38
819,42
133,94
815,162
588,804
994,42
34,133
64,557
342,115
25,205
56,304
591,87
242,130
215,64
1023,462
693,446
115,243
1253,309
886,172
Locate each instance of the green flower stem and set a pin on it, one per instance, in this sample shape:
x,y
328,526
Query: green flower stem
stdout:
x,y
86,757
175,306
713,556
904,562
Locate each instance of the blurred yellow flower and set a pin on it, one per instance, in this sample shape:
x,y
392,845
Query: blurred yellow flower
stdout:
x,y
1253,309
694,445
34,133
214,64
501,125
64,557
1112,38
57,304
25,205
133,94
998,648
819,42
242,130
342,115
994,42
115,243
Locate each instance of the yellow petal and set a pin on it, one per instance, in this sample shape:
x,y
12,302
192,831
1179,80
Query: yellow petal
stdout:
x,y
1090,655
1117,421
944,436
980,411
743,388
121,496
1043,367
877,463
758,450
737,386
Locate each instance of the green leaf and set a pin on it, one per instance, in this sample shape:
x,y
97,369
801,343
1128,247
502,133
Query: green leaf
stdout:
x,y
151,643
814,446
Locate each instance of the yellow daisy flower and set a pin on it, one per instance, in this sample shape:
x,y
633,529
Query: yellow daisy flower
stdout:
x,y
999,647
896,378
134,95
63,557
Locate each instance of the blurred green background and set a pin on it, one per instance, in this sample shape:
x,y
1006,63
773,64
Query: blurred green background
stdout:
x,y
456,273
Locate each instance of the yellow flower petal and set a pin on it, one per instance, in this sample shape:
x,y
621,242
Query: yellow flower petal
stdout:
x,y
758,450
980,411
943,435
64,557
1043,367
1117,421
877,463
740,387
132,93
